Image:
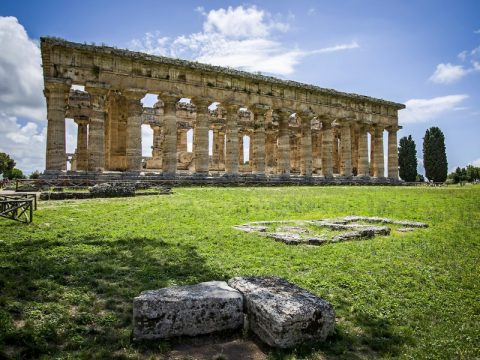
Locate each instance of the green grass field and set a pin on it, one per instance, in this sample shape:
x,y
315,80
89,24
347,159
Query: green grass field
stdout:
x,y
67,281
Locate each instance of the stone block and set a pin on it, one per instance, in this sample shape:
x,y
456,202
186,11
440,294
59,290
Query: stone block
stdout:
x,y
187,310
282,314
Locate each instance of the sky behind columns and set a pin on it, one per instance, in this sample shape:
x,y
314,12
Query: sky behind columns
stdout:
x,y
425,54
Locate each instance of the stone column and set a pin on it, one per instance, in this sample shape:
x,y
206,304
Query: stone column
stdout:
x,y
157,142
258,140
306,161
221,149
169,162
379,161
335,155
231,145
56,92
392,153
200,137
363,169
346,150
373,164
134,129
82,144
96,130
354,135
240,149
216,149
327,148
283,159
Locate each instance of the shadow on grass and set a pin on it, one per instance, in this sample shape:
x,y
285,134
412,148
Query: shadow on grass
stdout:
x,y
77,296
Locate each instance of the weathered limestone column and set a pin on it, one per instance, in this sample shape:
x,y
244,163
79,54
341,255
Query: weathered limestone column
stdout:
x,y
134,128
354,136
240,149
231,145
346,149
169,162
200,137
327,148
270,143
373,164
306,161
215,149
392,153
82,144
335,154
379,160
258,158
363,168
56,92
96,130
283,159
157,141
317,150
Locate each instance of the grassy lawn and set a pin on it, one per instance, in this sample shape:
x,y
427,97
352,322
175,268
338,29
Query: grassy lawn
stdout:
x,y
67,281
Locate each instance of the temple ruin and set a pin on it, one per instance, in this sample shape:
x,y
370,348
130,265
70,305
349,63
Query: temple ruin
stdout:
x,y
293,129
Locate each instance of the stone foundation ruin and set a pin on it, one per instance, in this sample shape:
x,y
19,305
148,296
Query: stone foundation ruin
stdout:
x,y
319,232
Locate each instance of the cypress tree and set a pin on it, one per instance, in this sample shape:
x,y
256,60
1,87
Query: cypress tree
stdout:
x,y
434,155
407,159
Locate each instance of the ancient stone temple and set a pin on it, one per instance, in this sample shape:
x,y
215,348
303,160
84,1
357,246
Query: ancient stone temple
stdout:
x,y
291,129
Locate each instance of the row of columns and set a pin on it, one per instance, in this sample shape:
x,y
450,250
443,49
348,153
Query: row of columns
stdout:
x,y
265,143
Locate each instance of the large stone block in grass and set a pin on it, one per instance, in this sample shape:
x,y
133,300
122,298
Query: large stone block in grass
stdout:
x,y
282,314
187,310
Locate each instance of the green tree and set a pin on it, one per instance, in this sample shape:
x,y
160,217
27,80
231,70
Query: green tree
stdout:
x,y
6,163
34,175
407,159
14,174
434,155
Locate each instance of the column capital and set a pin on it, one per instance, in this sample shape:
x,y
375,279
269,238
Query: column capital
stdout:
x,y
201,102
258,108
56,84
97,88
231,108
81,121
134,94
393,128
170,97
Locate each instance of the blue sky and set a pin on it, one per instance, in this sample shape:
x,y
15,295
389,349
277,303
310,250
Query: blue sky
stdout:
x,y
422,53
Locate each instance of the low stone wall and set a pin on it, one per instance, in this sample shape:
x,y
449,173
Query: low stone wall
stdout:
x,y
50,195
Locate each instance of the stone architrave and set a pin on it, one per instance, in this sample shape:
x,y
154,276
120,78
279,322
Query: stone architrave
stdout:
x,y
169,161
134,128
231,145
96,130
282,314
56,92
199,309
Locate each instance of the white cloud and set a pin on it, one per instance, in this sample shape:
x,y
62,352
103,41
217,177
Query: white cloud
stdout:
x,y
311,11
245,38
477,31
25,144
448,73
476,162
463,55
21,96
423,110
21,80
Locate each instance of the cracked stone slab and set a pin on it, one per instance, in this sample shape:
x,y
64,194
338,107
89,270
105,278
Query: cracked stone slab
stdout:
x,y
282,314
187,310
